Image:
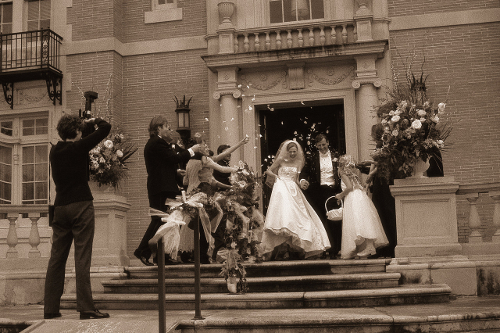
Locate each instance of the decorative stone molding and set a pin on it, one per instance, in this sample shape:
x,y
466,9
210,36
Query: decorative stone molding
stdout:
x,y
377,83
31,96
330,81
226,10
235,92
264,78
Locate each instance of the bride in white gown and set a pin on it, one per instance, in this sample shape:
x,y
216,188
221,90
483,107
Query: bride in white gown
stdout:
x,y
290,219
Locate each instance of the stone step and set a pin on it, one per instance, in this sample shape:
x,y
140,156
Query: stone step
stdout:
x,y
258,284
407,294
268,268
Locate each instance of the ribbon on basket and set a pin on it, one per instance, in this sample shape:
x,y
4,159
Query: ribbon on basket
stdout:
x,y
334,214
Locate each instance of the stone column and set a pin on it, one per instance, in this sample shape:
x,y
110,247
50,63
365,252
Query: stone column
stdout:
x,y
228,95
366,84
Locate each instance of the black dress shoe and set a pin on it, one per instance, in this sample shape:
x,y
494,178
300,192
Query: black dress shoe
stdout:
x,y
51,315
96,314
144,260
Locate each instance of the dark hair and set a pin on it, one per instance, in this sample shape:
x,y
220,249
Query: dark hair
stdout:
x,y
320,137
377,134
68,125
157,122
289,145
221,148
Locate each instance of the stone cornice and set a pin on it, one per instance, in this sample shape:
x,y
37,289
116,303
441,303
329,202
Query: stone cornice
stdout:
x,y
445,19
315,53
356,84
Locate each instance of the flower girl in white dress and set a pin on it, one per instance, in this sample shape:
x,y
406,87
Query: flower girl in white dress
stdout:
x,y
362,231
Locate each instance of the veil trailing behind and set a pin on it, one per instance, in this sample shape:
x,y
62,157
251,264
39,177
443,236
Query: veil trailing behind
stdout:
x,y
290,219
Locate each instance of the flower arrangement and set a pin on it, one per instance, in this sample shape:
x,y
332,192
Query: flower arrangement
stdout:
x,y
107,162
410,130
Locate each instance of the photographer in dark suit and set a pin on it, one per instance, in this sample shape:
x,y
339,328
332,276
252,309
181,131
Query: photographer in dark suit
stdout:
x,y
320,180
162,167
73,213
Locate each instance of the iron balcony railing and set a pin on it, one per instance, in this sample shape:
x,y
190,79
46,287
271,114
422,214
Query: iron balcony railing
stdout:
x,y
30,50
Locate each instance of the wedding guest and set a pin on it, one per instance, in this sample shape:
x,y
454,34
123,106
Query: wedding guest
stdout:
x,y
362,231
320,180
291,223
74,218
199,174
161,165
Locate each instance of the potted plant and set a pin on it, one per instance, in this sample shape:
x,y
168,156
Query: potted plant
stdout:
x,y
234,273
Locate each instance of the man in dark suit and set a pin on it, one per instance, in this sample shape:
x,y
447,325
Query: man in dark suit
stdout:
x,y
320,181
162,167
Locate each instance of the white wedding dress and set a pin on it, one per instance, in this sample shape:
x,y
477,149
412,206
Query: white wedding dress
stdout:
x,y
291,219
360,220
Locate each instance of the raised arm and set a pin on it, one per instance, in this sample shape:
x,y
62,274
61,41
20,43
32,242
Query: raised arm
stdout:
x,y
230,150
208,162
349,187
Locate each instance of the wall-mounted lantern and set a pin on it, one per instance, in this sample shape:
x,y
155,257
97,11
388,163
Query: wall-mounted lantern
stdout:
x,y
183,121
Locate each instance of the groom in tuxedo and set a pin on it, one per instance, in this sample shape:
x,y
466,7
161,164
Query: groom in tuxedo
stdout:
x,y
319,180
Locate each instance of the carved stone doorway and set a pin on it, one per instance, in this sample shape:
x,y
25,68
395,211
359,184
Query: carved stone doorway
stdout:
x,y
303,123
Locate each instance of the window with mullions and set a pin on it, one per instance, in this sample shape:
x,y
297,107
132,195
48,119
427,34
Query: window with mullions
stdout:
x,y
5,17
295,10
24,161
38,14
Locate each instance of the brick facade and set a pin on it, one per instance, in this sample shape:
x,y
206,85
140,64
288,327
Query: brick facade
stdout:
x,y
462,62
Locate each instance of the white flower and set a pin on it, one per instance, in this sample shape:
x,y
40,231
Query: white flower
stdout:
x,y
108,144
395,119
397,112
416,124
395,133
384,122
440,143
435,119
421,113
441,107
119,153
391,113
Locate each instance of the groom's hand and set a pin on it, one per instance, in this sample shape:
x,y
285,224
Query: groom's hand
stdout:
x,y
304,184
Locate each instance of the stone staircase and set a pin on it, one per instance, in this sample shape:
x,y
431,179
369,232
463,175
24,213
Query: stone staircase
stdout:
x,y
271,285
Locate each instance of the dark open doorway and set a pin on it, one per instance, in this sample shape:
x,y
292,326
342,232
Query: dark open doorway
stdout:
x,y
302,123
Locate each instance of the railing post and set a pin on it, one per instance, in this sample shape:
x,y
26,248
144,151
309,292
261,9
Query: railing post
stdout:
x,y
197,289
12,235
474,220
495,195
160,256
34,239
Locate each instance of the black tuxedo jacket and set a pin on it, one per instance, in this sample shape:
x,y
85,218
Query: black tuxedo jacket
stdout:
x,y
161,164
312,172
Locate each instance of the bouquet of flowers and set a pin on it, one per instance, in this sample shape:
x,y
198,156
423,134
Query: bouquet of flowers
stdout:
x,y
108,158
407,133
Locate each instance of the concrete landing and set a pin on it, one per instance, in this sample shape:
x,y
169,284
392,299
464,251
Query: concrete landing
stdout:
x,y
468,314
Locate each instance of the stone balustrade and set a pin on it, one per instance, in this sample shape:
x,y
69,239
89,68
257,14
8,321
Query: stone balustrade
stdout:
x,y
479,242
295,36
24,232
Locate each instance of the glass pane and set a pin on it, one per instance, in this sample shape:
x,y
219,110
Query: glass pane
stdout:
x,y
317,9
45,10
6,128
28,191
5,193
40,154
5,172
42,125
33,10
40,191
28,155
28,127
161,2
275,11
32,25
44,24
6,155
28,173
7,13
41,172
287,10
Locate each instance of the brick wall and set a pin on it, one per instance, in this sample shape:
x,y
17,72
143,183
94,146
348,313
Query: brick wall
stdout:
x,y
150,84
418,7
92,19
463,67
193,21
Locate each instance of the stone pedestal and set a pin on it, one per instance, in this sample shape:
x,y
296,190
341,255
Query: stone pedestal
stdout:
x,y
426,217
428,250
